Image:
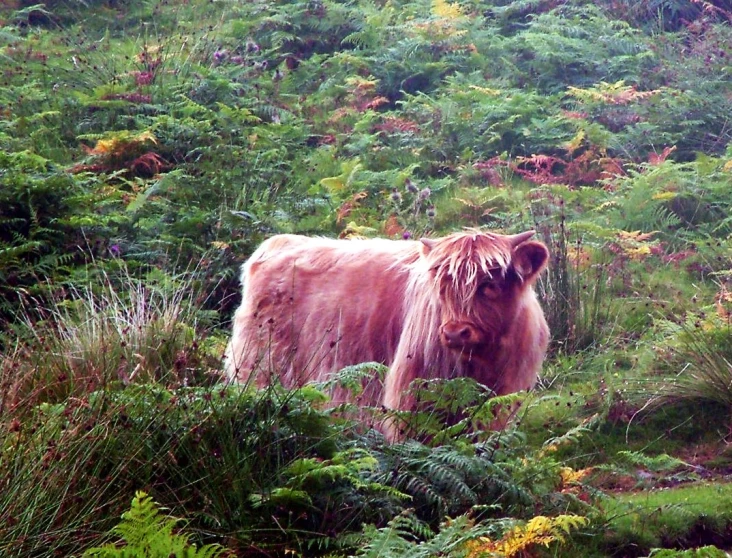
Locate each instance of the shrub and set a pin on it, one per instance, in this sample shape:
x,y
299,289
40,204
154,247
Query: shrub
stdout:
x,y
223,457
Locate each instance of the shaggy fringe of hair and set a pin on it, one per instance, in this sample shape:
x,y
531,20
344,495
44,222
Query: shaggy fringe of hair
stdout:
x,y
460,258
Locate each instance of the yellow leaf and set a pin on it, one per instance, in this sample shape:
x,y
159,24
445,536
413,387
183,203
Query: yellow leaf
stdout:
x,y
639,251
570,476
362,84
576,142
442,8
145,136
122,141
663,196
539,530
486,90
636,236
611,93
607,204
334,183
353,230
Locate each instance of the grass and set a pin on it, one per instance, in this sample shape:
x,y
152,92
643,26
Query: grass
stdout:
x,y
703,358
62,466
614,416
684,517
114,331
208,454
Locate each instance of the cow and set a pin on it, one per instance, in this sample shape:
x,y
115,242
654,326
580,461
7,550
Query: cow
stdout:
x,y
461,305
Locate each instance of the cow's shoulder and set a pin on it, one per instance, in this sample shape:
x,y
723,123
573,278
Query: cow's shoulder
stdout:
x,y
348,251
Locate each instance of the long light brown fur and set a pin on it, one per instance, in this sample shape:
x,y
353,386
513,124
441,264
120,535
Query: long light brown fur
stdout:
x,y
462,305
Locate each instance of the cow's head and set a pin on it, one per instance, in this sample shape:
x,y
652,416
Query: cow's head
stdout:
x,y
481,278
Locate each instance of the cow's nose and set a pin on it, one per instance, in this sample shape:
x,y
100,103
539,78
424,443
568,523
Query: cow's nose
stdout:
x,y
459,334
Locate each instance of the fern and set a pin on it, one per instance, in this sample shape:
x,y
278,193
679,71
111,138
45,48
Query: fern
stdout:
x,y
656,463
378,26
668,197
354,378
446,480
146,532
406,536
573,435
396,539
538,531
564,42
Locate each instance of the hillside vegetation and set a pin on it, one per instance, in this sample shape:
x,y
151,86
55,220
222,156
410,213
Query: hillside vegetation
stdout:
x,y
147,147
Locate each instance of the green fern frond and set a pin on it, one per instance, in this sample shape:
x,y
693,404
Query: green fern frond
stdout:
x,y
354,377
405,535
396,539
662,218
656,463
144,521
285,497
11,253
573,435
146,532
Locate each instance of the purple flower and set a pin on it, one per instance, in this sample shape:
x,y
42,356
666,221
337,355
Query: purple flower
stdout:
x,y
406,235
114,250
144,78
220,55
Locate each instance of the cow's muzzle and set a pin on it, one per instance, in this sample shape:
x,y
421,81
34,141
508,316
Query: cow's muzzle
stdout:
x,y
460,335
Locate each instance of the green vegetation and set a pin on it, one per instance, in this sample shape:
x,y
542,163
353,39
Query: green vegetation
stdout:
x,y
146,532
146,148
672,518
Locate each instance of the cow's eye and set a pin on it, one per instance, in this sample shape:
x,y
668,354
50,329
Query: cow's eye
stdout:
x,y
491,286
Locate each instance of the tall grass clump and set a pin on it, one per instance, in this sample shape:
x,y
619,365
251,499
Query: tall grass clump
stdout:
x,y
112,332
58,419
698,359
576,300
228,458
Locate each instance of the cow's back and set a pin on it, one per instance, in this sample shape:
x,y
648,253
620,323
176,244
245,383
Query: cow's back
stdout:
x,y
311,306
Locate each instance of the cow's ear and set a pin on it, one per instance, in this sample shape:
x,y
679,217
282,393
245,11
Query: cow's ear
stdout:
x,y
529,259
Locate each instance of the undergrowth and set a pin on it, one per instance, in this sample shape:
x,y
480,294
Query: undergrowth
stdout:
x,y
136,138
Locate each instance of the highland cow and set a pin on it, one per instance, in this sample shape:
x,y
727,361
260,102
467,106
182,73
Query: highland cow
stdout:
x,y
462,305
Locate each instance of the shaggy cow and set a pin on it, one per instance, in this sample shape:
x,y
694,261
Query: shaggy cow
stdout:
x,y
462,305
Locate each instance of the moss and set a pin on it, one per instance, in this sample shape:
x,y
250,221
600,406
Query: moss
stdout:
x,y
683,517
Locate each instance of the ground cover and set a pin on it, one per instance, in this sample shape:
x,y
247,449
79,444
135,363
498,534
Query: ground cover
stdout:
x,y
146,148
